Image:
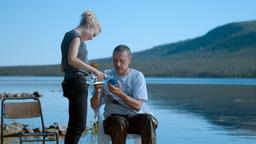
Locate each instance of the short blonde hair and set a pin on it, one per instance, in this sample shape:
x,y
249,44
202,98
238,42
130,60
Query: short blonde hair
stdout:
x,y
89,20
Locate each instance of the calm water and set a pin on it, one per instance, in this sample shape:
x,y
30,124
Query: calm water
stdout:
x,y
190,111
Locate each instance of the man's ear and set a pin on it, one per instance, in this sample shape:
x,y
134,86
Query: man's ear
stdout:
x,y
130,60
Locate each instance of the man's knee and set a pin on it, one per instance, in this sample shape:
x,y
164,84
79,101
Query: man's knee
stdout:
x,y
115,123
151,120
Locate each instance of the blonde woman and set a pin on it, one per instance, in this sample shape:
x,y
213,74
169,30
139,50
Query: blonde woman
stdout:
x,y
75,66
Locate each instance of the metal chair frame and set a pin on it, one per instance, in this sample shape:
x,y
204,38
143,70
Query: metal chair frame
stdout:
x,y
25,108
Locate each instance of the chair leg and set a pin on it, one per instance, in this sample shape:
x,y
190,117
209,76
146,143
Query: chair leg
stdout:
x,y
20,140
57,139
43,140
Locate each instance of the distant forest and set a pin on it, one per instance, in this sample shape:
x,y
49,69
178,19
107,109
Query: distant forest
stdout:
x,y
226,51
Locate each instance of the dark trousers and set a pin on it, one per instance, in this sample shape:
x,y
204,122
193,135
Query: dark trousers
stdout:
x,y
76,92
117,126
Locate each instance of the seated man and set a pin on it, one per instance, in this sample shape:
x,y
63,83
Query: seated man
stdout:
x,y
124,101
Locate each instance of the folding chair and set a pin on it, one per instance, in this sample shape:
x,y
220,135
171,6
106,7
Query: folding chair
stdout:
x,y
25,108
105,139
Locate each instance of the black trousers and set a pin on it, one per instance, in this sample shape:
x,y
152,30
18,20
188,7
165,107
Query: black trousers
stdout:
x,y
118,126
75,90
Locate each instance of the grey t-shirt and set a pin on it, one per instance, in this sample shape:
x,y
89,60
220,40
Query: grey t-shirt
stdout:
x,y
69,70
133,85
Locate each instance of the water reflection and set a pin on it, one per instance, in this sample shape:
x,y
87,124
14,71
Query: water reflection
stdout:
x,y
231,106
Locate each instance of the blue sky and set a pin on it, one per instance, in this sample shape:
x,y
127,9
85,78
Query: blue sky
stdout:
x,y
32,30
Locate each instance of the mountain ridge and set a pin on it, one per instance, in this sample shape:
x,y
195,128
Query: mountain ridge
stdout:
x,y
215,36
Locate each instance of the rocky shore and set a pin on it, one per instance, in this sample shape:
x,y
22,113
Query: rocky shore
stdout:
x,y
17,127
20,95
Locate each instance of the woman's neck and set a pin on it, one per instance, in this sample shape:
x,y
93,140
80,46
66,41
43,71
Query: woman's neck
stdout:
x,y
80,30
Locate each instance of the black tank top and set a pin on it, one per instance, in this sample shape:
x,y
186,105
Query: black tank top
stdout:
x,y
70,71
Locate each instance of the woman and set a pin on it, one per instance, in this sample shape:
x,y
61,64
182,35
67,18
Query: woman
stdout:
x,y
75,66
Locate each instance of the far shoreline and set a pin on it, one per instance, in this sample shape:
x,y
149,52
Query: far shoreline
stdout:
x,y
151,80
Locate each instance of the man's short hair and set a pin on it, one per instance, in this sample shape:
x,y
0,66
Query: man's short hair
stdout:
x,y
122,48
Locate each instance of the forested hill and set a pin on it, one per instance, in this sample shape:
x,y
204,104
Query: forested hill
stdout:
x,y
226,51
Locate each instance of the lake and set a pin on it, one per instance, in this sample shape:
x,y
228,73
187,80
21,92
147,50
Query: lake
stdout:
x,y
189,110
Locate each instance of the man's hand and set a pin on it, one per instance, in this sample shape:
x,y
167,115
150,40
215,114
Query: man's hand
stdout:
x,y
98,87
115,90
95,100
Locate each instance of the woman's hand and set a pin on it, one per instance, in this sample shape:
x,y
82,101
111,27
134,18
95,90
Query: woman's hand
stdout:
x,y
100,75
